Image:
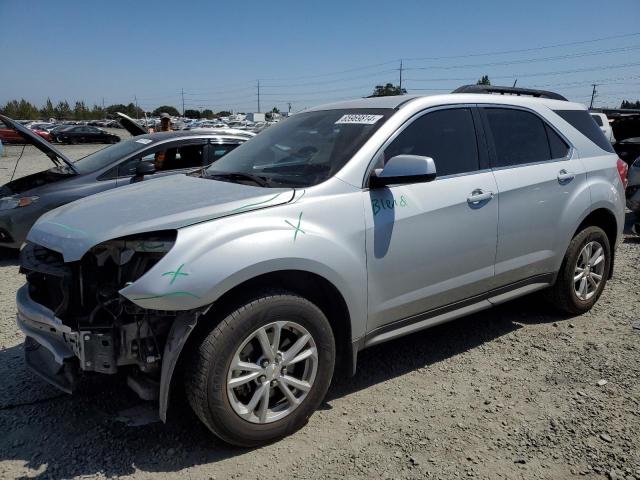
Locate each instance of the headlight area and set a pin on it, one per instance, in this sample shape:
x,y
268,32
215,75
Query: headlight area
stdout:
x,y
7,203
109,333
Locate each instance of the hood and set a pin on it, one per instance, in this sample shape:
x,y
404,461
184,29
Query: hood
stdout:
x,y
40,143
130,125
166,203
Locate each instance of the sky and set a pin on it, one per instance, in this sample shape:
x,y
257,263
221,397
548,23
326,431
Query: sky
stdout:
x,y
309,52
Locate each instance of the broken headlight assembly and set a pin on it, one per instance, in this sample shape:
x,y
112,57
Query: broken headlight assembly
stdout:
x,y
109,331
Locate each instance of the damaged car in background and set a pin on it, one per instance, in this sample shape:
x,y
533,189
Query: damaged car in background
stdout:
x,y
245,284
146,156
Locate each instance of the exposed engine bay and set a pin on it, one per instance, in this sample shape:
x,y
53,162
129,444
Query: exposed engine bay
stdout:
x,y
106,332
29,182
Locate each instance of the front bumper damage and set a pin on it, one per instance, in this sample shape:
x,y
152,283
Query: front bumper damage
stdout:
x,y
50,345
77,324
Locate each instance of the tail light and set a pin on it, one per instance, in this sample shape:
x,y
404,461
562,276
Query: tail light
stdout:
x,y
623,169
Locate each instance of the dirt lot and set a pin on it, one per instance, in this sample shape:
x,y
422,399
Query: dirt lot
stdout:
x,y
514,392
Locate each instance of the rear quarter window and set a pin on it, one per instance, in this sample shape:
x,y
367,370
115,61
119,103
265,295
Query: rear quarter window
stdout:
x,y
585,124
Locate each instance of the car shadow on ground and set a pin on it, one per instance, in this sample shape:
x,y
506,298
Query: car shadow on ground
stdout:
x,y
60,436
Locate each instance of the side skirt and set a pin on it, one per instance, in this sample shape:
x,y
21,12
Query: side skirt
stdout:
x,y
452,311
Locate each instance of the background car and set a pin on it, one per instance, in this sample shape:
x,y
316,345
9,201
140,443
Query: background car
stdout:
x,y
603,122
9,135
149,156
84,134
628,149
632,191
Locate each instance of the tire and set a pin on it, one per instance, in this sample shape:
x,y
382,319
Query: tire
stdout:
x,y
564,294
210,369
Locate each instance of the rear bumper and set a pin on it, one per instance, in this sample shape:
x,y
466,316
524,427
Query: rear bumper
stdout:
x,y
50,345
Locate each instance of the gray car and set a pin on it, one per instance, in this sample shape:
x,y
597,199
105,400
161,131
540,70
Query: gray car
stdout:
x,y
24,200
339,228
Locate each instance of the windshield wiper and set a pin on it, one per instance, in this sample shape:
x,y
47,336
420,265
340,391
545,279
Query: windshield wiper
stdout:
x,y
261,181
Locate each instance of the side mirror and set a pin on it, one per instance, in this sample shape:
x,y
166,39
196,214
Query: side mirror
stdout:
x,y
403,169
145,168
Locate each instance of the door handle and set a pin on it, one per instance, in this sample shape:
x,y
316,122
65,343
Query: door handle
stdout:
x,y
565,177
478,196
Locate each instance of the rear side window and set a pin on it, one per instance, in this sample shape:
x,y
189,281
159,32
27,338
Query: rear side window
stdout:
x,y
559,148
447,136
597,119
584,123
518,137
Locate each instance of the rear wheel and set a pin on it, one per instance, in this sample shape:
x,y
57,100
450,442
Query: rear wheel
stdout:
x,y
584,272
263,370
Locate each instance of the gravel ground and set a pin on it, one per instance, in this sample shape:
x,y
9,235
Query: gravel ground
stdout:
x,y
514,392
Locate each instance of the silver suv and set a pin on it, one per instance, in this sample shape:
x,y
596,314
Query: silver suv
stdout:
x,y
342,227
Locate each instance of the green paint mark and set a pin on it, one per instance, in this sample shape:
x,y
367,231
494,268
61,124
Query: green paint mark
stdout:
x,y
379,204
176,274
68,228
256,204
171,294
296,227
298,199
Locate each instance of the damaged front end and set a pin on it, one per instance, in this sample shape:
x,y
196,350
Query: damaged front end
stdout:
x,y
76,321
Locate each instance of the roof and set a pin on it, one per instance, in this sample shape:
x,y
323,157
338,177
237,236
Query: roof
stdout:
x,y
370,102
399,101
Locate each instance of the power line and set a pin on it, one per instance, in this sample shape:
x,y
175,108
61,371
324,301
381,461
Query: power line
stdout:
x,y
531,49
527,60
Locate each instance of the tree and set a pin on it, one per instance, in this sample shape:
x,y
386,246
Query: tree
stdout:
x,y
387,90
21,110
484,80
62,111
223,113
173,111
629,104
275,110
208,114
193,114
80,111
47,111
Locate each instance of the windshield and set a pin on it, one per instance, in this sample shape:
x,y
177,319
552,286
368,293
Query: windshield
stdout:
x,y
108,155
303,150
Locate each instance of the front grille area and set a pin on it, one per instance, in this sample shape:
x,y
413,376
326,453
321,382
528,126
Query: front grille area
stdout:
x,y
49,278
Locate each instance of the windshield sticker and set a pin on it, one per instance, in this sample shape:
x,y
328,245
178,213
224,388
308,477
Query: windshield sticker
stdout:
x,y
144,141
358,119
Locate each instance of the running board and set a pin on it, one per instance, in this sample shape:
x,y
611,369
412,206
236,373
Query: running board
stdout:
x,y
456,310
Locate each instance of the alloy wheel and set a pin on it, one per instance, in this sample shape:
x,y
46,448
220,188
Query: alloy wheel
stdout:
x,y
272,372
589,270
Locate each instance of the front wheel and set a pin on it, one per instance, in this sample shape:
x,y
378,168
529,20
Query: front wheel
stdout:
x,y
263,370
584,272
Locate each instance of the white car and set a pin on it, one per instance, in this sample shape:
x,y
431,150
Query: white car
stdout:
x,y
603,122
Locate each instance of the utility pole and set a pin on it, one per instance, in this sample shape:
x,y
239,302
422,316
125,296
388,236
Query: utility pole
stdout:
x,y
182,92
258,96
514,83
400,75
135,99
289,103
593,94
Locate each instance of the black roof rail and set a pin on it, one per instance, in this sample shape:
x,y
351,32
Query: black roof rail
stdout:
x,y
509,90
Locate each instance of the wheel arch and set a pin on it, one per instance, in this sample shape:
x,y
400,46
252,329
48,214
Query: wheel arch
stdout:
x,y
309,285
606,220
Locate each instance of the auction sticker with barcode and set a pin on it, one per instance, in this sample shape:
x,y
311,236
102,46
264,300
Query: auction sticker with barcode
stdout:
x,y
359,119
